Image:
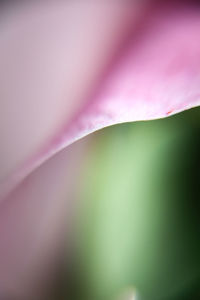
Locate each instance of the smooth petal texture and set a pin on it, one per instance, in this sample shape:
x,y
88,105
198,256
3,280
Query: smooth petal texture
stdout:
x,y
51,57
158,74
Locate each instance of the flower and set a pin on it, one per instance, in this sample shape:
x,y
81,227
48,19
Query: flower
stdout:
x,y
69,69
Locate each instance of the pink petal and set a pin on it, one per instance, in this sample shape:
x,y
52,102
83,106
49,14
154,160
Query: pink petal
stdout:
x,y
51,56
157,75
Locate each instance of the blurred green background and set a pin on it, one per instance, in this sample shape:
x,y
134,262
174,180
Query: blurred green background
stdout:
x,y
138,220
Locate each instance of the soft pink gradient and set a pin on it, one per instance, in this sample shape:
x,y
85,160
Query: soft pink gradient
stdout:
x,y
62,78
158,74
52,54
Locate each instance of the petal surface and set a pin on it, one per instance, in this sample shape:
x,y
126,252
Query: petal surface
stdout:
x,y
156,75
51,56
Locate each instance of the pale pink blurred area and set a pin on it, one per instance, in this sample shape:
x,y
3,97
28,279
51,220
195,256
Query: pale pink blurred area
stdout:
x,y
95,64
34,223
52,54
